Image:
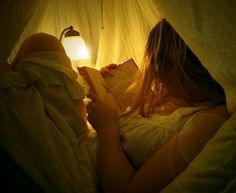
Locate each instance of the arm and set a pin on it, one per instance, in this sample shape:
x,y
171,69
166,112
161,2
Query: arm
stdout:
x,y
117,175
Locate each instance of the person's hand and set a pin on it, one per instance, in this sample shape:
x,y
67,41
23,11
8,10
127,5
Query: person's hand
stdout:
x,y
100,116
107,70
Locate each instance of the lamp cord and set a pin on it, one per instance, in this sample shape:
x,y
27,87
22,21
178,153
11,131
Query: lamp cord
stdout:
x,y
102,14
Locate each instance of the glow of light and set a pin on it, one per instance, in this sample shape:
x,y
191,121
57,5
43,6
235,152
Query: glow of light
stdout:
x,y
75,48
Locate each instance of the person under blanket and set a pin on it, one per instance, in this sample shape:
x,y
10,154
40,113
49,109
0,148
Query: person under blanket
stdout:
x,y
42,115
177,100
45,44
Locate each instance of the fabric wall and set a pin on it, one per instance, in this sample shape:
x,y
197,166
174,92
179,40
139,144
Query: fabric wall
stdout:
x,y
52,16
113,30
14,17
126,27
208,27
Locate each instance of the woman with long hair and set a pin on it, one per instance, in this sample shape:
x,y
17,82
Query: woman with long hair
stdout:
x,y
172,72
179,107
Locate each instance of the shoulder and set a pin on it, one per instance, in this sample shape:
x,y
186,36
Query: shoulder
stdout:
x,y
218,112
208,120
200,129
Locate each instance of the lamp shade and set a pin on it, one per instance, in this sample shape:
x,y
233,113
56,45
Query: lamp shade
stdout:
x,y
75,48
74,44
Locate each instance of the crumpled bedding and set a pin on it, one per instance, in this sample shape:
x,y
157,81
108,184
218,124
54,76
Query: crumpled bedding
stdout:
x,y
40,127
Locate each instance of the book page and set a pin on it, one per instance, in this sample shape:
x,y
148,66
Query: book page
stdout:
x,y
122,78
98,86
112,89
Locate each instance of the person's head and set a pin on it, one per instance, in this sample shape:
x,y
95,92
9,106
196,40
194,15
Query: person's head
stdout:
x,y
38,42
172,69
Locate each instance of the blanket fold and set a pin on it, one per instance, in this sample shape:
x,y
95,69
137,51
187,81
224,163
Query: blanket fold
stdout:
x,y
40,126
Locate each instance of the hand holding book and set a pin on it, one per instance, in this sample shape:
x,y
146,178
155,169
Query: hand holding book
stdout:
x,y
107,70
111,83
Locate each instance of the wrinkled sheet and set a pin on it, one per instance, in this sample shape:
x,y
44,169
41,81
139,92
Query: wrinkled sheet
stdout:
x,y
41,129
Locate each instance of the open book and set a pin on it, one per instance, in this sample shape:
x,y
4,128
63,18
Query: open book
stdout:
x,y
112,89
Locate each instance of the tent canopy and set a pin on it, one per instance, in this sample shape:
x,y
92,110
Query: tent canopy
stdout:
x,y
116,30
113,30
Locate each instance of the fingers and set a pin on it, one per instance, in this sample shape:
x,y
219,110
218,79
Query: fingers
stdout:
x,y
107,70
112,66
94,98
92,107
87,100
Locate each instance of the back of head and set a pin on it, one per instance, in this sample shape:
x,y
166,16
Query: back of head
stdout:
x,y
172,69
38,42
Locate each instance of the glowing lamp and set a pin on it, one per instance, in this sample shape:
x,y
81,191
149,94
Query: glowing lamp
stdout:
x,y
74,44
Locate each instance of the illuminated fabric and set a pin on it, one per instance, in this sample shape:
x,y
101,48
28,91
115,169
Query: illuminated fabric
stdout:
x,y
126,26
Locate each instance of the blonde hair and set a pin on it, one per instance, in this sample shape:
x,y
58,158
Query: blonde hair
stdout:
x,y
171,69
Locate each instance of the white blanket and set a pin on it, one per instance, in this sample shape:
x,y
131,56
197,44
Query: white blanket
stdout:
x,y
40,127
